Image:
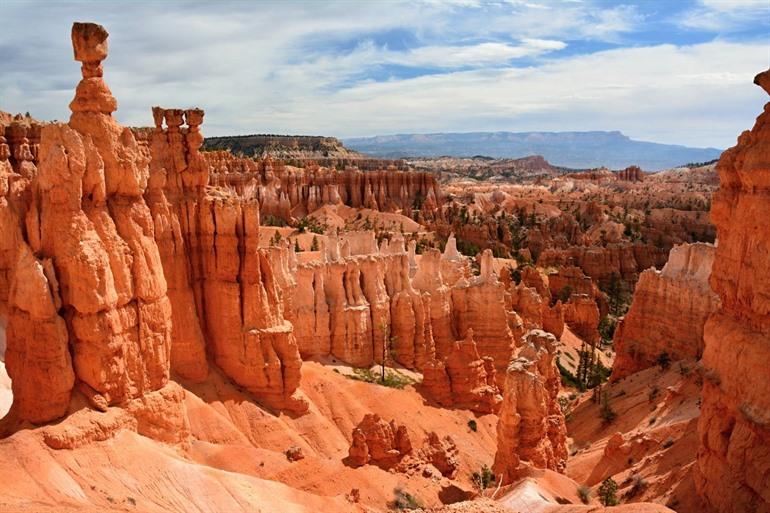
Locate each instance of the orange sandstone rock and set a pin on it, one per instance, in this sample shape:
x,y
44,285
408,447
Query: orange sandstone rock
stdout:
x,y
669,310
733,466
480,304
378,442
531,428
582,315
463,379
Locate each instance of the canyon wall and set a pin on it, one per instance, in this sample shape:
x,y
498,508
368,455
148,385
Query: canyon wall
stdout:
x,y
601,263
668,312
733,466
291,193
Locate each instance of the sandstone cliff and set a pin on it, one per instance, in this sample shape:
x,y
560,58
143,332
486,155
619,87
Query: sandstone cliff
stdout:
x,y
89,256
733,468
601,263
669,310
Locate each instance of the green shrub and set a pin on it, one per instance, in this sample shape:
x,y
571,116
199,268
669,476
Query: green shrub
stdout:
x,y
484,478
663,360
393,379
607,328
564,294
311,224
608,492
584,493
403,500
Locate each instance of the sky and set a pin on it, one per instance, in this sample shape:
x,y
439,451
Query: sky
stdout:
x,y
671,71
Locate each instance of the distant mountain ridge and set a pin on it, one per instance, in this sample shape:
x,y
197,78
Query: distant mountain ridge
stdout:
x,y
567,149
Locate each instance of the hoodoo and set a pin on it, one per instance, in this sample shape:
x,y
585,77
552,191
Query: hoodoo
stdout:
x,y
257,323
733,472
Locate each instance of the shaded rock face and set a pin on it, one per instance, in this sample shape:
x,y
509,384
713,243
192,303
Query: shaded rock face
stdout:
x,y
733,466
668,313
377,442
573,279
463,379
531,299
531,428
601,263
481,304
227,304
441,453
96,217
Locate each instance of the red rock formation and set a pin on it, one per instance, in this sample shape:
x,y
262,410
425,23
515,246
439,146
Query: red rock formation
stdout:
x,y
348,305
441,453
578,283
531,428
582,316
480,304
226,299
292,193
429,279
89,252
463,379
104,213
733,467
669,310
601,263
631,174
378,442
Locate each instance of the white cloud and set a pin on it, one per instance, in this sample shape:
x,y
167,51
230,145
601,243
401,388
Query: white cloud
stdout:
x,y
725,15
298,68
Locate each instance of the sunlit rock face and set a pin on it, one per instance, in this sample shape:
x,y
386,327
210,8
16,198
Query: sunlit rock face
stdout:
x,y
531,429
733,467
114,250
668,313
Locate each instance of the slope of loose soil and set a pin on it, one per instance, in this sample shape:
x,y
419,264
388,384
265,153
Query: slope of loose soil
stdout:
x,y
656,415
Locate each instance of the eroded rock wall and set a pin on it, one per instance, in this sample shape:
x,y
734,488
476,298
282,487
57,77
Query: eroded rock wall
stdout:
x,y
668,312
96,217
88,251
733,466
354,306
291,192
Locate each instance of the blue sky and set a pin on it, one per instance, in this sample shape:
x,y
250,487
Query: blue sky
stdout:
x,y
665,71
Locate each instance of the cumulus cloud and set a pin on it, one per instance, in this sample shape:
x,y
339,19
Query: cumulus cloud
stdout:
x,y
367,68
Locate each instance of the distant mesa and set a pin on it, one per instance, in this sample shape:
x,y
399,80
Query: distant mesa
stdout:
x,y
580,150
281,146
